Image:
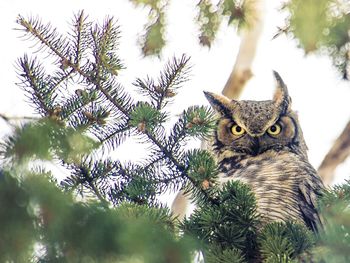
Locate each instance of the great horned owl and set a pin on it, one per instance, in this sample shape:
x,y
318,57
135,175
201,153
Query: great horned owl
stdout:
x,y
261,144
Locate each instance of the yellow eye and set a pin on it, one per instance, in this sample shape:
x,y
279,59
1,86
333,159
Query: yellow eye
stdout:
x,y
237,130
274,129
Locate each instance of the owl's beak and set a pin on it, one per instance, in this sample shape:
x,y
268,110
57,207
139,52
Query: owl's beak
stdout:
x,y
256,146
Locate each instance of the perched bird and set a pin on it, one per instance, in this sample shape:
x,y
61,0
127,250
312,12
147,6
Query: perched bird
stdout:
x,y
261,143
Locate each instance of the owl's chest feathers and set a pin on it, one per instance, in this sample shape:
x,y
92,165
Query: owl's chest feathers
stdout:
x,y
274,177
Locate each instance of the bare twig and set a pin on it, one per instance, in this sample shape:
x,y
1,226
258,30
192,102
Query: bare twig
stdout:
x,y
8,119
336,155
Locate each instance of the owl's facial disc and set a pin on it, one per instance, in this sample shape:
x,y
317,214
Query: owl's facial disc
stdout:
x,y
253,131
253,127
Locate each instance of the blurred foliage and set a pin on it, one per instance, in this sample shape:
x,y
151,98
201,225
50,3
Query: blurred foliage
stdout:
x,y
318,25
41,223
16,226
153,40
322,26
334,245
44,139
209,17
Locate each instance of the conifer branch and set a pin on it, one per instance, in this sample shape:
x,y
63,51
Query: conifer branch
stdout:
x,y
174,75
55,82
84,176
142,116
75,103
111,135
80,36
97,193
47,36
111,99
33,78
181,168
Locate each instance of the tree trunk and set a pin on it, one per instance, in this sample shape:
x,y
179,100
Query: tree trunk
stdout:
x,y
336,155
242,69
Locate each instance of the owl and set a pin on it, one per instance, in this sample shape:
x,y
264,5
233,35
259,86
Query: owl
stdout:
x,y
261,144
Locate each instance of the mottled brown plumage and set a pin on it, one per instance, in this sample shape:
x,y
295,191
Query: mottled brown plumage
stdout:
x,y
261,144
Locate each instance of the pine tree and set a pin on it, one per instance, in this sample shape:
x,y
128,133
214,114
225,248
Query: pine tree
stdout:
x,y
84,111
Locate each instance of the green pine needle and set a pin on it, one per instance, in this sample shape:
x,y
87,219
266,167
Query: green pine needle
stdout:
x,y
202,167
145,117
215,254
230,222
284,242
200,121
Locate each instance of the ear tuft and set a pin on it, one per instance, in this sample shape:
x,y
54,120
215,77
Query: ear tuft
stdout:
x,y
219,103
281,97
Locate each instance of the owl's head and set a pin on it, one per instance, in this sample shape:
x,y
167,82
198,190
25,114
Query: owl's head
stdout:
x,y
252,127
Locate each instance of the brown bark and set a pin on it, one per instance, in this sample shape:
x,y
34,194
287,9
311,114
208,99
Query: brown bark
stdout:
x,y
336,155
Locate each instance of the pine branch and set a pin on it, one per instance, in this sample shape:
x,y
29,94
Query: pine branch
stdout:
x,y
32,80
195,121
46,36
150,136
59,78
82,111
115,95
175,74
80,36
171,78
70,105
86,175
98,194
113,135
229,223
105,43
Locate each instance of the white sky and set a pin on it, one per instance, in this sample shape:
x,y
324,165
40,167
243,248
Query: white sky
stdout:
x,y
319,96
